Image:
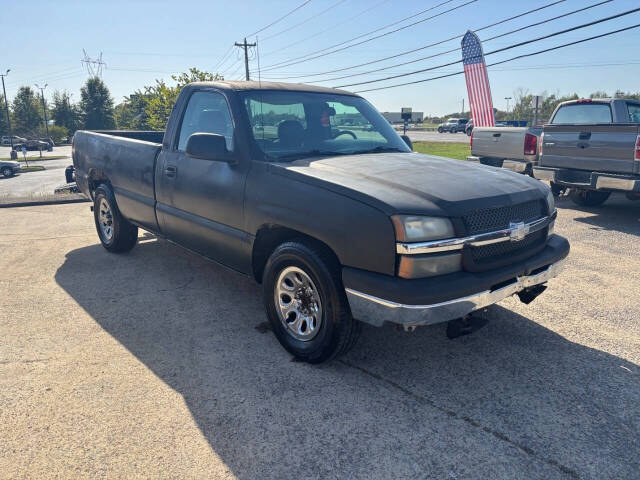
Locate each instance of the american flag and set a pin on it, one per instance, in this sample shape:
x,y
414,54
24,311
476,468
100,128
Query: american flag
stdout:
x,y
475,72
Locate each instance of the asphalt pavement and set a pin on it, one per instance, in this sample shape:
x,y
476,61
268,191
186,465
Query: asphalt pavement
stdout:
x,y
153,364
38,183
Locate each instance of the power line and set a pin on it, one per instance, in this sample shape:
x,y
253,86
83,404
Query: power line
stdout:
x,y
224,57
335,25
323,52
447,40
279,19
505,61
519,44
304,21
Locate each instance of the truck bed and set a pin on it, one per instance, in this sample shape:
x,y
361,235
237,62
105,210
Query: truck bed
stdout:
x,y
127,159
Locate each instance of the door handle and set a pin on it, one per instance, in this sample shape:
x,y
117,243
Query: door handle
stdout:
x,y
170,171
497,134
584,135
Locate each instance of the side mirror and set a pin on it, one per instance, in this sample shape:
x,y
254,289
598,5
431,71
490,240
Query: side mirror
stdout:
x,y
407,140
209,146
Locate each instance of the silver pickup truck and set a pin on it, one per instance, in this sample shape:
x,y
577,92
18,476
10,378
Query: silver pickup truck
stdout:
x,y
513,148
592,146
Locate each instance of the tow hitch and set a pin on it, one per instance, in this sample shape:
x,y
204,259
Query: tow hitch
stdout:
x,y
465,326
528,295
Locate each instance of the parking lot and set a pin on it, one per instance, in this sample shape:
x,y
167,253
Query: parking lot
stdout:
x,y
155,364
36,184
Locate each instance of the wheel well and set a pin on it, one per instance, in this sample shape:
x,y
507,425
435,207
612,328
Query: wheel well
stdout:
x,y
96,178
270,236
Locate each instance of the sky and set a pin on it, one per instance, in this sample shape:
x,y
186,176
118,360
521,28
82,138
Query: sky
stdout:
x,y
142,41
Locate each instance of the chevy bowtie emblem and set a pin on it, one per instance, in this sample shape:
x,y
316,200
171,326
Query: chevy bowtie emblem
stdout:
x,y
518,231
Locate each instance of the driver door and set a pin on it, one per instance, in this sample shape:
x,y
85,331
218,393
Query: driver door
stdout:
x,y
200,202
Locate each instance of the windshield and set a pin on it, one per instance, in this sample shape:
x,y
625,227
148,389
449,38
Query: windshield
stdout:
x,y
287,125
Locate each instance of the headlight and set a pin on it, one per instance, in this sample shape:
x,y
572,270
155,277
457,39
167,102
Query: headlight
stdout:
x,y
410,228
551,202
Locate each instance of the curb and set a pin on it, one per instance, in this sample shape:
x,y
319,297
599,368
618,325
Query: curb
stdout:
x,y
35,203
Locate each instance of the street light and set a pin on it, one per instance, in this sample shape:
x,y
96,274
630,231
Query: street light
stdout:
x,y
44,108
14,154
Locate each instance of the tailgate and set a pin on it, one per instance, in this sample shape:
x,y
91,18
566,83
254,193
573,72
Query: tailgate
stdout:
x,y
601,148
499,142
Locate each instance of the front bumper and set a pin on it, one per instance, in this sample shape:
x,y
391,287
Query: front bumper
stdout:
x,y
377,299
588,180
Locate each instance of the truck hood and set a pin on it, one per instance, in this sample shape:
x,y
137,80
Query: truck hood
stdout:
x,y
9,163
413,183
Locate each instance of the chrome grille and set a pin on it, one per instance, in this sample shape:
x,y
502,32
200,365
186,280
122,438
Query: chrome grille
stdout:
x,y
498,251
492,219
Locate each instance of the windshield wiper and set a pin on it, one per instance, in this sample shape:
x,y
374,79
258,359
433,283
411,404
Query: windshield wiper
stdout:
x,y
378,149
310,153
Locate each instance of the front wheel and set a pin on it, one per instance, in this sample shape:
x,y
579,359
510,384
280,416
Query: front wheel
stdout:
x,y
7,172
306,303
589,198
116,233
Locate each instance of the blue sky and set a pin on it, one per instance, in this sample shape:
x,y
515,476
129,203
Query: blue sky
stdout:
x,y
145,40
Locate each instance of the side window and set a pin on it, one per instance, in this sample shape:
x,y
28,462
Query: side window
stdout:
x,y
207,112
634,112
583,113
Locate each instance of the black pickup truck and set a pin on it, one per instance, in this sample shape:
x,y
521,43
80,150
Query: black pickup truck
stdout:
x,y
310,191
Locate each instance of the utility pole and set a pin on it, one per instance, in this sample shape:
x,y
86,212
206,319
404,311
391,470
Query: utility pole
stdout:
x,y
44,108
14,155
463,106
246,46
507,99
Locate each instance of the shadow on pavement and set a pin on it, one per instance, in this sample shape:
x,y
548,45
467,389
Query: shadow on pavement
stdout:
x,y
618,213
399,406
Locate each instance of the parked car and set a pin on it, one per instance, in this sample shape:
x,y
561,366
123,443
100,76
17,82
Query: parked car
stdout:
x,y
32,145
453,125
338,226
592,146
9,168
50,143
6,140
513,148
468,128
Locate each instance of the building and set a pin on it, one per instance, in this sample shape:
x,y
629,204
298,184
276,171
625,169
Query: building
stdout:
x,y
396,117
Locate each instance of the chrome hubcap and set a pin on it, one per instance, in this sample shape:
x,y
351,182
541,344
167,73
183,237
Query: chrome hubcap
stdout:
x,y
105,220
298,303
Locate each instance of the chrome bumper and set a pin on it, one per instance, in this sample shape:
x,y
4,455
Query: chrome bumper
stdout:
x,y
376,311
593,180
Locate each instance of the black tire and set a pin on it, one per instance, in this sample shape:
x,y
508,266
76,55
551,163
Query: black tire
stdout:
x,y
338,331
439,130
123,234
556,189
7,172
69,174
588,198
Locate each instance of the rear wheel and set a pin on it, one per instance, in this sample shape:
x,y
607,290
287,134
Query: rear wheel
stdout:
x,y
7,172
589,198
306,303
116,233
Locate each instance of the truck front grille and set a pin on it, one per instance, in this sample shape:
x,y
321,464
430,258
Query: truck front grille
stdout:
x,y
492,219
476,259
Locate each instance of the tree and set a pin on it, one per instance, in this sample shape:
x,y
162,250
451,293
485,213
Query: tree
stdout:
x,y
4,128
64,113
27,112
160,98
130,114
96,105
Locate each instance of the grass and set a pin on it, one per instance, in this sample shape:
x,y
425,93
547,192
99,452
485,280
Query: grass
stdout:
x,y
35,168
38,159
443,149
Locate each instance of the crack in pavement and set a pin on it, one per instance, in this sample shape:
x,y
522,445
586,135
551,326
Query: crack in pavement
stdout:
x,y
474,423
